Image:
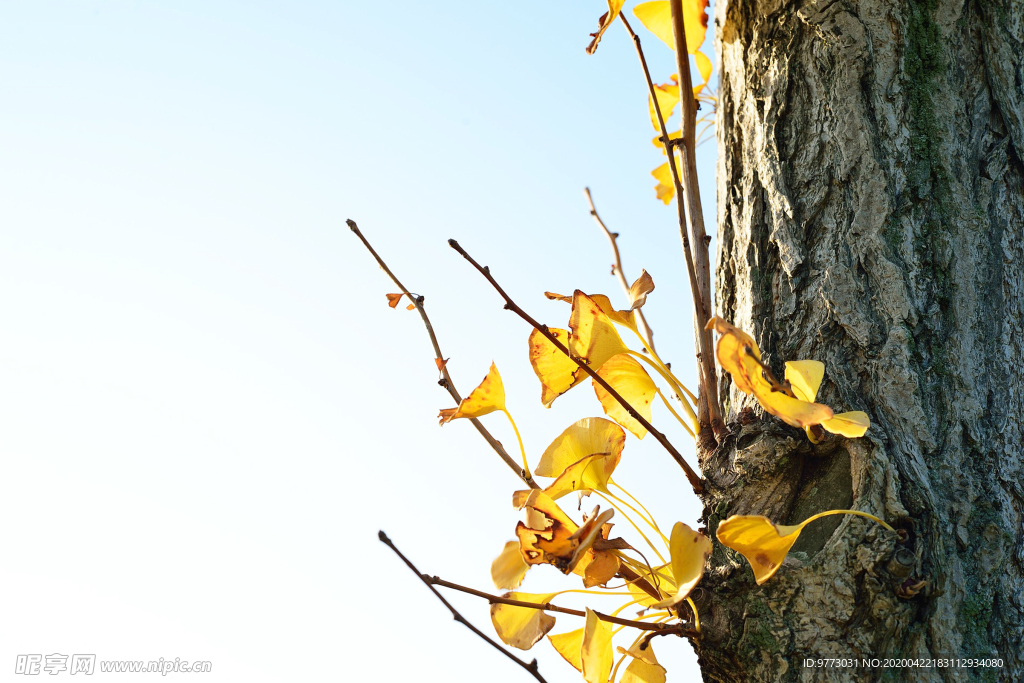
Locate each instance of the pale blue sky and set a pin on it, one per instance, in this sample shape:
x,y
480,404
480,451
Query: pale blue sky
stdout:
x,y
207,409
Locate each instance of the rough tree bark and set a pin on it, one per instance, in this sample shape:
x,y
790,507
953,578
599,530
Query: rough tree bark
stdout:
x,y
871,215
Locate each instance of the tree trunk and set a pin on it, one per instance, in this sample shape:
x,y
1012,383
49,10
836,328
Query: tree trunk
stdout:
x,y
871,216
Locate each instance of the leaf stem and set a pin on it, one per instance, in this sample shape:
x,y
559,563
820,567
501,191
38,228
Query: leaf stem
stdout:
x,y
522,450
845,512
675,414
634,525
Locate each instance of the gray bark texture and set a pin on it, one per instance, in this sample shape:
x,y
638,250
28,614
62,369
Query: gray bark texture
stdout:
x,y
871,216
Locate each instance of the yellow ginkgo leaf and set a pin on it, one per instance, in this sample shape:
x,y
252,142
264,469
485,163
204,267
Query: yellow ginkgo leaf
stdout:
x,y
764,544
657,17
522,627
690,550
738,354
594,337
509,568
614,7
555,370
639,290
852,425
599,567
644,668
585,536
631,381
805,377
584,437
663,584
486,398
625,318
666,189
596,653
589,474
569,645
703,65
668,98
656,141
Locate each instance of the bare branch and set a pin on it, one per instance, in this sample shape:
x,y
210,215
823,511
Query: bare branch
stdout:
x,y
531,667
695,214
695,481
613,239
708,411
446,380
548,607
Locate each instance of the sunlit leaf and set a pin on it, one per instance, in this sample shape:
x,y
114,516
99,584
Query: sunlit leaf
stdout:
x,y
644,668
584,437
601,568
668,98
657,17
585,536
441,363
852,425
486,398
555,370
738,354
606,20
569,645
589,474
594,337
703,65
764,544
805,377
626,376
596,650
393,299
558,297
690,550
639,290
547,535
522,627
509,568
666,189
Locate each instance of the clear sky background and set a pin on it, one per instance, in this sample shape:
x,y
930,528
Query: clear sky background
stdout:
x,y
207,409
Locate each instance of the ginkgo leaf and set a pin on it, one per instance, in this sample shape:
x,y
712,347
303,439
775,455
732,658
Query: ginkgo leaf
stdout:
x,y
486,398
644,668
738,354
522,627
666,188
805,377
626,376
601,568
668,97
584,437
569,645
639,290
585,536
690,550
657,17
545,537
596,650
614,7
703,65
852,425
625,318
763,543
594,337
555,370
643,598
509,568
589,474
393,299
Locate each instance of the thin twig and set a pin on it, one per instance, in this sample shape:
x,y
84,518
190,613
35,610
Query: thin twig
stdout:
x,y
695,481
708,396
548,607
446,380
695,214
613,240
678,629
531,667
